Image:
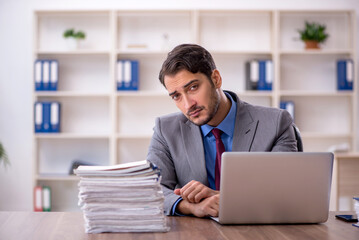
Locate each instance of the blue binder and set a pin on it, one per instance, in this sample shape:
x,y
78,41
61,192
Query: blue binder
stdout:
x,y
345,74
46,108
38,75
38,117
55,117
47,117
54,75
289,106
45,75
265,75
127,75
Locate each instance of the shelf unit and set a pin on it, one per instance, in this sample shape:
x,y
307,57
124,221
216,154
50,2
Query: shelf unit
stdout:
x,y
101,125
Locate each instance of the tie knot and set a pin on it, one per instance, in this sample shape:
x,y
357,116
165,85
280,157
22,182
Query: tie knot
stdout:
x,y
217,133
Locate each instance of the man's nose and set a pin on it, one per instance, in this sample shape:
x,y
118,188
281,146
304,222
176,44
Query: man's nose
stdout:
x,y
188,102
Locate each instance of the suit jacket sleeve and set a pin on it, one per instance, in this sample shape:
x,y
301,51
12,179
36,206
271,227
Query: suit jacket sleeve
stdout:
x,y
159,154
285,140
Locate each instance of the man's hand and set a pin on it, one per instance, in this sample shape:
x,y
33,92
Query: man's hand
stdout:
x,y
207,207
194,192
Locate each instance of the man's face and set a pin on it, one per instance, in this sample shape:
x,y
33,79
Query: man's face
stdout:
x,y
194,95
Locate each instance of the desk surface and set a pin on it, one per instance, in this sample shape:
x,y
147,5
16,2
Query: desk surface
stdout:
x,y
70,225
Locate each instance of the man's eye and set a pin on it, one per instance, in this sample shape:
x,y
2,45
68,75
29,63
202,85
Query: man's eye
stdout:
x,y
175,97
193,87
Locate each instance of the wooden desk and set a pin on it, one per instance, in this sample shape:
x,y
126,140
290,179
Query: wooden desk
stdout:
x,y
70,225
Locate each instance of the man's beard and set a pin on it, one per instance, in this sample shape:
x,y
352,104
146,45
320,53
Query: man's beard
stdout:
x,y
212,108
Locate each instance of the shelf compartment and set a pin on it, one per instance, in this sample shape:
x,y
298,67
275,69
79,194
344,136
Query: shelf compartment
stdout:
x,y
51,27
64,195
151,28
324,143
309,73
73,52
137,115
82,73
310,93
71,136
133,136
232,69
57,177
235,31
130,150
337,23
312,117
317,52
144,93
56,155
348,182
83,115
40,94
149,68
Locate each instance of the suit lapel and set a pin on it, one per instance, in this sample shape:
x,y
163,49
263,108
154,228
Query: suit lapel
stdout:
x,y
244,129
193,143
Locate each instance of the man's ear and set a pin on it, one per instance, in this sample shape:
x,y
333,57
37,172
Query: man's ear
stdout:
x,y
216,79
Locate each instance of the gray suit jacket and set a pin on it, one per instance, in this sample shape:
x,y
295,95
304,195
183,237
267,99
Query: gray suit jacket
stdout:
x,y
177,147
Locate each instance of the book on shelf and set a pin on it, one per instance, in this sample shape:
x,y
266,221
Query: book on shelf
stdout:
x,y
42,199
47,117
259,75
127,75
46,74
289,106
345,74
122,198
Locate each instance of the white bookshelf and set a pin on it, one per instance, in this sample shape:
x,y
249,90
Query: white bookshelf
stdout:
x,y
101,125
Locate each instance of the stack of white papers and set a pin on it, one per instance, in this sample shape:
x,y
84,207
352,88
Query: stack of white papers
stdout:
x,y
356,206
121,198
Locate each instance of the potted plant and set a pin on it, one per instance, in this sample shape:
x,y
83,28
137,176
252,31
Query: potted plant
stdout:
x,y
313,34
73,37
3,156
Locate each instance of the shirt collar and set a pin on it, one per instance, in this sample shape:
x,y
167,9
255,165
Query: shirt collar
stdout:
x,y
227,125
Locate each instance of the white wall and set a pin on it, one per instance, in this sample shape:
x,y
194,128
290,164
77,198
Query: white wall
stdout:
x,y
16,81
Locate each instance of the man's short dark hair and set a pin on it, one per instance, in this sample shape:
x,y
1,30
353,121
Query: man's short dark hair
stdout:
x,y
190,57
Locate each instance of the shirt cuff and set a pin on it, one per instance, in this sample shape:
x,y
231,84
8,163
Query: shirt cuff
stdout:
x,y
174,212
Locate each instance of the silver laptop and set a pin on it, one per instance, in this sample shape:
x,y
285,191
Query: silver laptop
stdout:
x,y
270,188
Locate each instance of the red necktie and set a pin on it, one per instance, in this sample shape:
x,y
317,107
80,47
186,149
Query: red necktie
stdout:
x,y
220,149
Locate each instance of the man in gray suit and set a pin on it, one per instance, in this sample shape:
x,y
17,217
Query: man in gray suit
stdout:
x,y
185,145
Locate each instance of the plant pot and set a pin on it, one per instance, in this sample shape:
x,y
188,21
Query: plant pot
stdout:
x,y
311,44
72,43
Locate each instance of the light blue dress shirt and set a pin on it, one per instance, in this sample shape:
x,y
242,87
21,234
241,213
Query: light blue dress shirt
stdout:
x,y
209,144
209,141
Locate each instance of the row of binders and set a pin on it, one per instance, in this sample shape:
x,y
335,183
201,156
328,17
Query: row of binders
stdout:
x,y
42,199
47,117
46,74
259,75
345,74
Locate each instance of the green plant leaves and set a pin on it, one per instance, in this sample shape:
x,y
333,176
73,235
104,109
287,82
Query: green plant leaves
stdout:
x,y
72,33
3,156
313,31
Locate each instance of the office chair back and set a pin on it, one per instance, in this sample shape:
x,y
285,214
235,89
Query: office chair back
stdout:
x,y
298,138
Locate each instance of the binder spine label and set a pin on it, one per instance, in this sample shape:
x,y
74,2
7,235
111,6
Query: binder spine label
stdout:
x,y
38,75
269,72
54,75
38,117
46,74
